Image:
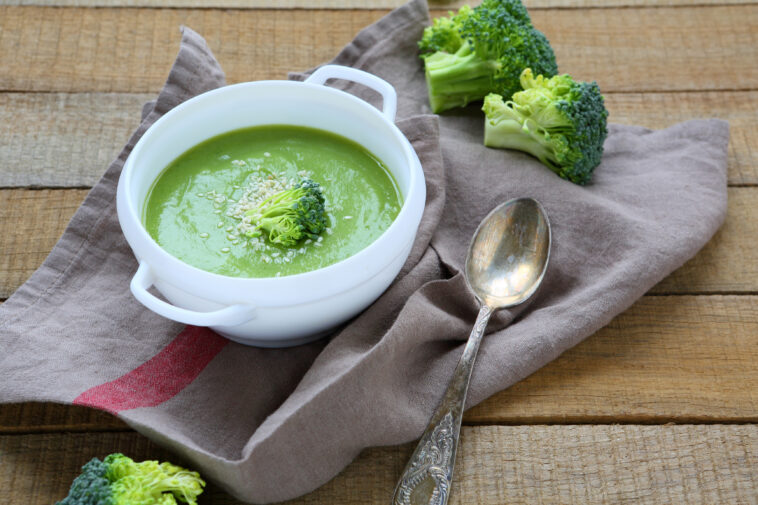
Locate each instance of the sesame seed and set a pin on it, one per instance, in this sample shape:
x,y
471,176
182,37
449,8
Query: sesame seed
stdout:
x,y
348,217
204,235
225,249
220,224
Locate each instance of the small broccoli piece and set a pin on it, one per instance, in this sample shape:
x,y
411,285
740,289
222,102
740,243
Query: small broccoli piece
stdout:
x,y
482,50
444,34
118,480
560,121
290,215
91,487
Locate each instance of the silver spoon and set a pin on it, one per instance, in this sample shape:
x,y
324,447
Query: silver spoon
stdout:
x,y
506,262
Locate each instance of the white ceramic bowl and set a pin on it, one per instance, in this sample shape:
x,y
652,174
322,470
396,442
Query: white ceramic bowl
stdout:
x,y
281,311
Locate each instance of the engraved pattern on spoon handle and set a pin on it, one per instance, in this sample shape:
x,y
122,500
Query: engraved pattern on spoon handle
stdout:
x,y
429,472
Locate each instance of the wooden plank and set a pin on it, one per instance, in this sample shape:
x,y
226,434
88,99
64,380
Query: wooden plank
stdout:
x,y
356,4
644,465
68,139
30,224
54,417
31,221
667,359
729,262
61,139
130,50
70,49
660,110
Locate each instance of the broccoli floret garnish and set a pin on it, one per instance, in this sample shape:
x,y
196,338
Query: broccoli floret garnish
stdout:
x,y
290,215
560,121
482,50
118,480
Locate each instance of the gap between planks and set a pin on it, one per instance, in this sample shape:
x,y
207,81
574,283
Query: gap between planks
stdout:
x,y
550,465
131,50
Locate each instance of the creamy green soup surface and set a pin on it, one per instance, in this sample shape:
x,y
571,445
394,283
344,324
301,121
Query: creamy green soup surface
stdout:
x,y
195,206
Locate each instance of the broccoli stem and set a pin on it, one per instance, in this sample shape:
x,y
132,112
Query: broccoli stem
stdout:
x,y
455,80
509,134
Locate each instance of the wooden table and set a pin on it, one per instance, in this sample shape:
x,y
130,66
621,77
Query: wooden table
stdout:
x,y
658,408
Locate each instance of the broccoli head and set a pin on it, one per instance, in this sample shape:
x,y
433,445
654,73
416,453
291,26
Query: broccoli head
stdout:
x,y
290,215
118,480
560,121
482,50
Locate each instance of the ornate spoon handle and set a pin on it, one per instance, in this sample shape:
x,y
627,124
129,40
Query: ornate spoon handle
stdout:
x,y
428,475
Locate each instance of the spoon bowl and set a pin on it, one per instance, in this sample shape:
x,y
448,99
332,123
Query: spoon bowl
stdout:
x,y
505,265
508,255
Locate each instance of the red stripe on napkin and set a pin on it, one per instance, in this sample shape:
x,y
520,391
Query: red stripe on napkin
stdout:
x,y
161,377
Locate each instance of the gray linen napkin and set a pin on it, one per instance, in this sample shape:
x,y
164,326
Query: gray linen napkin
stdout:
x,y
269,425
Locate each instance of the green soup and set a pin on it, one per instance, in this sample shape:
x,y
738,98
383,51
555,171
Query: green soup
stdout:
x,y
193,208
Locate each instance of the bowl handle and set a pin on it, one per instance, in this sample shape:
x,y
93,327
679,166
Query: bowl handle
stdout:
x,y
389,96
228,316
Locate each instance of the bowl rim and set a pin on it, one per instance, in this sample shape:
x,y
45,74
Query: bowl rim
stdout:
x,y
334,279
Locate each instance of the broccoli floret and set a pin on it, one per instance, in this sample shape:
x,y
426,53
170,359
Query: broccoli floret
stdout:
x,y
444,34
482,50
560,121
290,215
118,480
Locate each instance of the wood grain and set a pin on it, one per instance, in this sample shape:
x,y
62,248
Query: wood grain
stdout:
x,y
660,110
31,221
53,417
61,139
729,261
644,465
356,4
667,359
30,224
130,50
676,359
68,139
